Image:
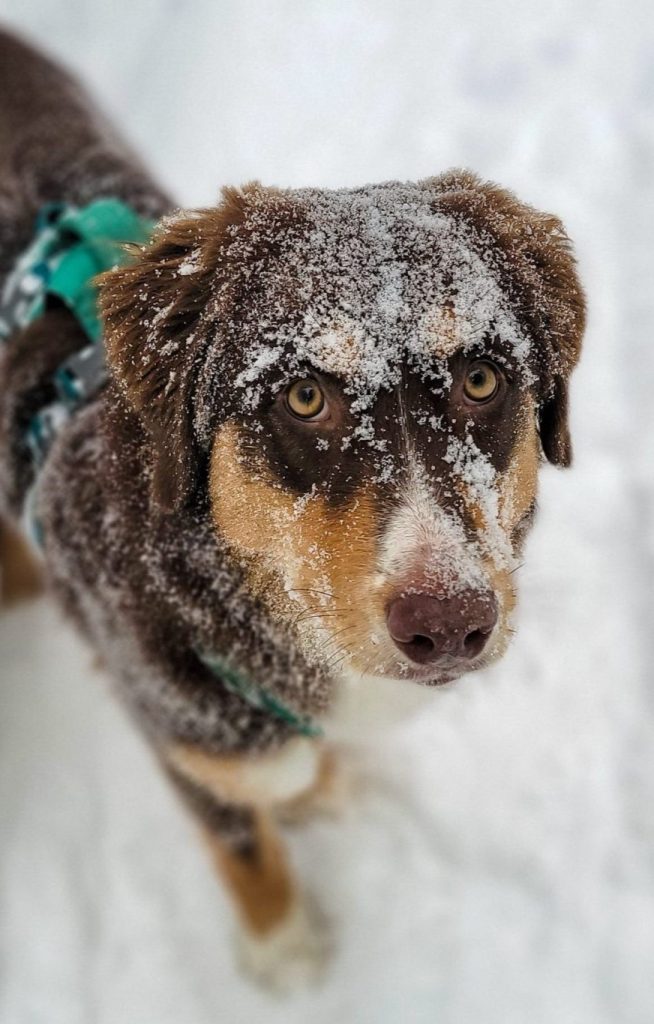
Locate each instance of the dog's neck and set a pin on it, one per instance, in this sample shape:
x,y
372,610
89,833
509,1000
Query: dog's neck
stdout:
x,y
257,695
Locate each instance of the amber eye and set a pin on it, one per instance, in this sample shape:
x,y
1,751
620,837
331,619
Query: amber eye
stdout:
x,y
305,399
481,382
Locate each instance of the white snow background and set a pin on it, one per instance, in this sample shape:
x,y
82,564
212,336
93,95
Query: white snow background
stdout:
x,y
498,867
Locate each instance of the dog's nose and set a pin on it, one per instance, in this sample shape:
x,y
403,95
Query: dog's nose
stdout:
x,y
427,628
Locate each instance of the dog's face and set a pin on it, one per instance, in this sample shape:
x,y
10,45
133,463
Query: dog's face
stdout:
x,y
361,383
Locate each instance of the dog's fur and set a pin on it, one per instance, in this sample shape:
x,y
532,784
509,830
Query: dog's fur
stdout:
x,y
185,511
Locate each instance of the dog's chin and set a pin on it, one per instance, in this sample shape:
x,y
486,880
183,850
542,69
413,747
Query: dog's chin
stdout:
x,y
403,673
428,675
400,670
392,667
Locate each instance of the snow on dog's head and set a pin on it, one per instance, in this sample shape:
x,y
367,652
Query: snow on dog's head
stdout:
x,y
361,383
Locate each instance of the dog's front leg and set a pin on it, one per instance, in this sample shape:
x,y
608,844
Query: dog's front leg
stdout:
x,y
282,941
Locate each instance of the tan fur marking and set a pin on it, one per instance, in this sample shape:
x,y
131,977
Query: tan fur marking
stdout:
x,y
261,884
233,780
517,494
517,491
327,555
261,780
20,574
519,485
222,776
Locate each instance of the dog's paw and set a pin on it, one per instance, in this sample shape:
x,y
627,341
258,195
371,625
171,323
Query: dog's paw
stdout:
x,y
291,956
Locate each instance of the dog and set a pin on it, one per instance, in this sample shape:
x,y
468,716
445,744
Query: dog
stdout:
x,y
302,486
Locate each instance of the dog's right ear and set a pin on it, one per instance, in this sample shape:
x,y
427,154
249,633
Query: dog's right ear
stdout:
x,y
539,261
153,309
553,425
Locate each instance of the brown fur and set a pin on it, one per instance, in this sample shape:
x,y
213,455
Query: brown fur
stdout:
x,y
21,576
553,298
259,880
145,377
258,877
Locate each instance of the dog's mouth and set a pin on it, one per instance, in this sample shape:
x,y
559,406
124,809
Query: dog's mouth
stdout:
x,y
424,633
436,677
430,676
425,664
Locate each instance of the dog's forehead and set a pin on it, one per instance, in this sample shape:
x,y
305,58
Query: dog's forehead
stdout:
x,y
365,281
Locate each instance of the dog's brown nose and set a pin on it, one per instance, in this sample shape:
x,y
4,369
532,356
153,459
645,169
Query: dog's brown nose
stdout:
x,y
427,628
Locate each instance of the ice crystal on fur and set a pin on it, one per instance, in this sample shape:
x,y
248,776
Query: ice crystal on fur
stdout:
x,y
475,470
383,279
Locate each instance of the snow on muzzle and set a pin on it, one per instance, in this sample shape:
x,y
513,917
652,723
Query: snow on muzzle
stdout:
x,y
440,608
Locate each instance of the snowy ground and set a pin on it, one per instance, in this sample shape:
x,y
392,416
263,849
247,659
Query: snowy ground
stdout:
x,y
498,868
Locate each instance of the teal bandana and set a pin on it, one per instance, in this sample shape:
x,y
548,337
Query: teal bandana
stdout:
x,y
72,245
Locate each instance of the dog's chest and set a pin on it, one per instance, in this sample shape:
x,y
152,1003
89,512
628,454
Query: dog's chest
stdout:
x,y
366,705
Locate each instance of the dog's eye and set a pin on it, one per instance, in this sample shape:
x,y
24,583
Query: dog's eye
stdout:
x,y
305,399
481,382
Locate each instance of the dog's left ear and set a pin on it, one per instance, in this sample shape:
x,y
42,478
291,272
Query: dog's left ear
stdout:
x,y
536,261
553,425
157,315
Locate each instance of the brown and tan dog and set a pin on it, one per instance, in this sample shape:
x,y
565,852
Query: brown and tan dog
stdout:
x,y
309,474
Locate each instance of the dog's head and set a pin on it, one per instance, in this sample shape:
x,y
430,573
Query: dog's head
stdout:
x,y
363,383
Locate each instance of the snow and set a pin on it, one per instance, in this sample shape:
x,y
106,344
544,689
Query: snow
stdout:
x,y
374,268
497,865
